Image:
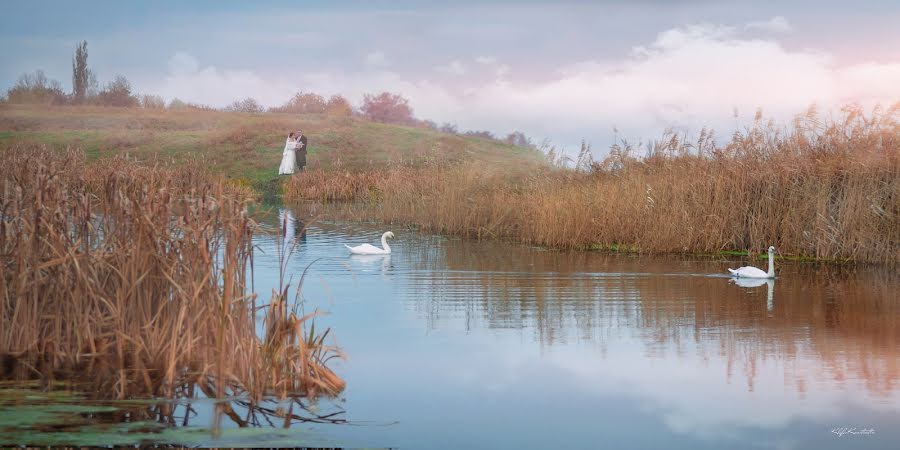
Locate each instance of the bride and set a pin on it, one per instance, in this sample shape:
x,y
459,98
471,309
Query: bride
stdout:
x,y
288,158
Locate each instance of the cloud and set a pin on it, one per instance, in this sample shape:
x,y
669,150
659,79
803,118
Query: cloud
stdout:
x,y
188,81
687,78
376,59
455,67
777,24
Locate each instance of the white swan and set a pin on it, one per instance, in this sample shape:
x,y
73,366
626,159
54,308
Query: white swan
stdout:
x,y
753,272
366,249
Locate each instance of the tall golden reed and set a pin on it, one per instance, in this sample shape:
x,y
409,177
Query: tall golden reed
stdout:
x,y
134,278
824,189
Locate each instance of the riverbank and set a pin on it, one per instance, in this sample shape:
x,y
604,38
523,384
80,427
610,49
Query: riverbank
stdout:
x,y
821,190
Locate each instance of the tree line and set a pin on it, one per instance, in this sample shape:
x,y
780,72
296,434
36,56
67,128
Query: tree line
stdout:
x,y
384,107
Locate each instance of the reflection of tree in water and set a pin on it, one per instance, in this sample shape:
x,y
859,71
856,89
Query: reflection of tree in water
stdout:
x,y
842,320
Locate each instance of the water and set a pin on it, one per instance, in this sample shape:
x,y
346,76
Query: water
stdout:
x,y
454,343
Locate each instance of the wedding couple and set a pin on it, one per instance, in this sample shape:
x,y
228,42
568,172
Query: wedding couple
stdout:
x,y
294,156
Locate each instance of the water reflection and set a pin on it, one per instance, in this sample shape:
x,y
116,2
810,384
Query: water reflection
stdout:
x,y
381,263
757,282
677,347
30,414
846,318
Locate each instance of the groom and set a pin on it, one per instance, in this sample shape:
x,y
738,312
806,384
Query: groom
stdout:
x,y
301,150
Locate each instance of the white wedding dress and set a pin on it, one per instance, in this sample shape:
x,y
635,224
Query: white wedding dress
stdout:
x,y
289,158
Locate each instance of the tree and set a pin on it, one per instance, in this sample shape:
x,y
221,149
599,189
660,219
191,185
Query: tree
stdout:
x,y
338,106
177,104
36,88
388,108
519,139
152,102
481,134
117,93
83,80
448,127
303,103
247,105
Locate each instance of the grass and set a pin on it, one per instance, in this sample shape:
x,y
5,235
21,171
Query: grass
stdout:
x,y
825,190
243,147
133,278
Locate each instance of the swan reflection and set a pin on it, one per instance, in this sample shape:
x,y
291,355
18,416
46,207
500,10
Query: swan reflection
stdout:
x,y
370,263
757,282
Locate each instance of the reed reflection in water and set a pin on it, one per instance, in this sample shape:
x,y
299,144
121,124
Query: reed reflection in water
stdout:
x,y
845,317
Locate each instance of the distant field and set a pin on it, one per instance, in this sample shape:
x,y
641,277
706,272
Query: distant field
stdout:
x,y
246,147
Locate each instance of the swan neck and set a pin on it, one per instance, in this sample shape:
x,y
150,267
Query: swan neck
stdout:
x,y
384,243
771,273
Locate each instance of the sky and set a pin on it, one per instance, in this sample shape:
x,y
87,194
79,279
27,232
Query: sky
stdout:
x,y
562,71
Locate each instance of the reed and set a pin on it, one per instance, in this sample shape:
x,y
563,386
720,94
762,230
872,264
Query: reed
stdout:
x,y
134,277
821,189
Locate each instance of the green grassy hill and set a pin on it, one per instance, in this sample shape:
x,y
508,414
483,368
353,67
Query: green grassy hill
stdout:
x,y
244,146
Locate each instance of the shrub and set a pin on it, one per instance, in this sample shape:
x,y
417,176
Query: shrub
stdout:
x,y
117,93
338,106
152,102
387,108
247,105
36,88
303,103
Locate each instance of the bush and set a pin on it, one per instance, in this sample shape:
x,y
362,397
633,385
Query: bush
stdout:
x,y
247,105
450,128
117,93
303,103
176,104
387,108
338,106
36,88
481,134
153,102
519,139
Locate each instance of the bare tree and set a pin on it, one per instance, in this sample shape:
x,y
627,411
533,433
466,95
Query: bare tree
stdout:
x,y
149,101
36,88
117,93
247,105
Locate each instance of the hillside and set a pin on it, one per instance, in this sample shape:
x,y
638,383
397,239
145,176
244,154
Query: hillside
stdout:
x,y
243,146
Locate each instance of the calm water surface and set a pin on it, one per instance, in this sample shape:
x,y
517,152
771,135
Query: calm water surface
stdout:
x,y
454,343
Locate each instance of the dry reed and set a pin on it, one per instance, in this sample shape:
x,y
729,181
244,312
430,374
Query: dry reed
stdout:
x,y
823,189
134,277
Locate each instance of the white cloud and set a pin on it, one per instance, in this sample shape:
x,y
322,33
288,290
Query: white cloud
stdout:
x,y
686,78
376,59
188,81
777,24
183,64
455,67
